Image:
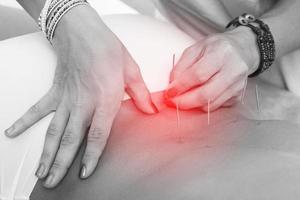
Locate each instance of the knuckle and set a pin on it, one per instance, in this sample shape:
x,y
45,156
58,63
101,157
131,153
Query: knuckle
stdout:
x,y
221,43
184,82
175,75
53,104
141,95
46,155
52,131
237,76
187,51
244,67
97,135
206,96
21,122
226,45
91,155
199,76
69,139
214,39
59,164
35,109
191,51
133,76
132,80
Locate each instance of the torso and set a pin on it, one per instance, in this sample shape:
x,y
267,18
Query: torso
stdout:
x,y
148,157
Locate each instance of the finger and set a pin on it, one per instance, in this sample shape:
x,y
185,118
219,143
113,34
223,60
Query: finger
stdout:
x,y
141,97
52,140
42,108
198,74
138,91
229,97
212,89
96,141
189,57
68,147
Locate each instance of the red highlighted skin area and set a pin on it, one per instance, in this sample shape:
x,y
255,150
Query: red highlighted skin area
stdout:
x,y
151,157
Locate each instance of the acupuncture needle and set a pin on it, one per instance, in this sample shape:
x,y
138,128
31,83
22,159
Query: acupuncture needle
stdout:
x,y
1,178
173,61
257,99
177,113
208,112
244,90
177,106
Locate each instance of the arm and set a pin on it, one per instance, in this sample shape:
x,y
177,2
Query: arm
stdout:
x,y
216,68
93,70
33,7
283,20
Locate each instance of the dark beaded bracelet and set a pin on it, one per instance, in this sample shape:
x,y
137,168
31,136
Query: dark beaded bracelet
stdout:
x,y
265,40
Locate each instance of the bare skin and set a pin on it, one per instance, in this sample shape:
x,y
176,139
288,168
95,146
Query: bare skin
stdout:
x,y
234,157
215,69
239,87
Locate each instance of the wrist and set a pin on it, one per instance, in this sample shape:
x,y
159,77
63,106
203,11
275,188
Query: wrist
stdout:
x,y
246,42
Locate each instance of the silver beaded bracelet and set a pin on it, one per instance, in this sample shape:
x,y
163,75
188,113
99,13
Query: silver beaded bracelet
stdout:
x,y
60,14
43,16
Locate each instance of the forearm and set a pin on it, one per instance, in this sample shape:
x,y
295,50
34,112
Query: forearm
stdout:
x,y
283,20
33,7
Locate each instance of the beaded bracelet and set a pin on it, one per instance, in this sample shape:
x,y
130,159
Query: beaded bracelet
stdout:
x,y
265,40
43,16
60,14
52,13
56,9
53,5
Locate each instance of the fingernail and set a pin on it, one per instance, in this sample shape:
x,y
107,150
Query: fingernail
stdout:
x,y
155,109
9,131
49,180
171,93
83,172
40,171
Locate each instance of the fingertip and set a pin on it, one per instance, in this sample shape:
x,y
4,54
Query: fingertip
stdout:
x,y
154,107
87,170
170,103
170,93
49,182
146,107
205,109
40,172
10,132
83,172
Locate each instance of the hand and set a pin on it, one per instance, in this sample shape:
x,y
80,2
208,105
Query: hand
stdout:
x,y
92,71
214,71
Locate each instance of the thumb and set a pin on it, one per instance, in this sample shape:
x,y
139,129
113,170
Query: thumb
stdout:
x,y
137,89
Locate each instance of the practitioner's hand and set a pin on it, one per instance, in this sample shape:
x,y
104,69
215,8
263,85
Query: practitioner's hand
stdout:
x,y
214,70
92,72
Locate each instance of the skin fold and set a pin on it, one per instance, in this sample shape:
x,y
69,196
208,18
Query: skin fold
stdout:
x,y
239,155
